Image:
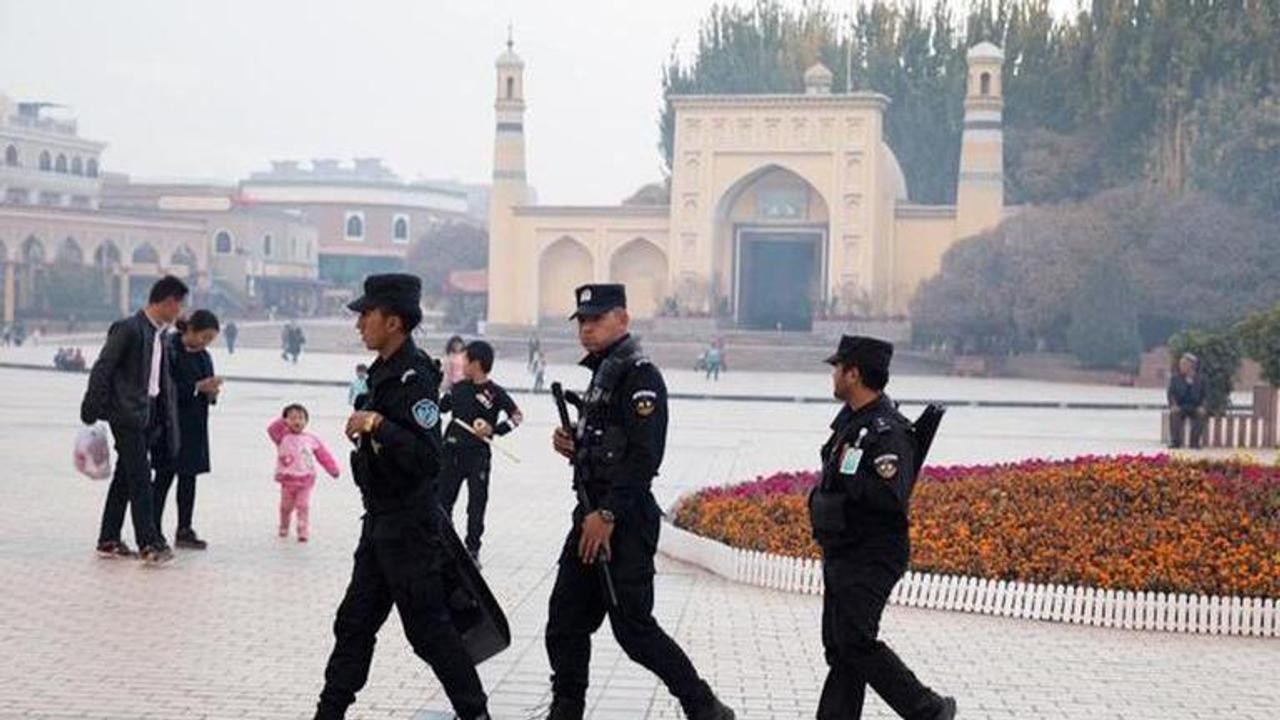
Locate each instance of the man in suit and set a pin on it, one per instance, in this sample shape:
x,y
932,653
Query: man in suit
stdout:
x,y
130,388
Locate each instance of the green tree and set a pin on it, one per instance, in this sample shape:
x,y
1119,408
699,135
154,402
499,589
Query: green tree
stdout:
x,y
1104,321
1260,336
443,249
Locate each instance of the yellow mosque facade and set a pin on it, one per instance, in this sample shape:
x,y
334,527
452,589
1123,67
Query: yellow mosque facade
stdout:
x,y
780,205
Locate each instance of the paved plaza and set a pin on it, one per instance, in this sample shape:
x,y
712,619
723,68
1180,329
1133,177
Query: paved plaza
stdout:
x,y
243,630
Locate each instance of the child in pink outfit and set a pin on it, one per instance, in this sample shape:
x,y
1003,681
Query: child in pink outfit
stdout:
x,y
297,453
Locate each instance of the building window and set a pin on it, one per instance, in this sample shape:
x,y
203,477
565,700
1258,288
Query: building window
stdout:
x,y
80,201
91,167
985,82
11,156
46,162
511,87
61,164
77,167
400,229
222,243
355,226
266,245
50,198
16,196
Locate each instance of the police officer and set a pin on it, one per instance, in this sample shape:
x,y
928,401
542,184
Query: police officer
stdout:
x,y
859,513
618,447
399,558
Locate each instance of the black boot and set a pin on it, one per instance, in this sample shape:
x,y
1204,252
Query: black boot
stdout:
x,y
714,710
566,709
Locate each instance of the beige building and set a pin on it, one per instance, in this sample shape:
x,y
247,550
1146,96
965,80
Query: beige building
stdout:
x,y
780,205
259,257
366,216
54,237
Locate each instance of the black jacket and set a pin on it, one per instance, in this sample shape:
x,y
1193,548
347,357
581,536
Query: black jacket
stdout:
x,y
189,368
396,466
623,433
117,390
868,474
1184,395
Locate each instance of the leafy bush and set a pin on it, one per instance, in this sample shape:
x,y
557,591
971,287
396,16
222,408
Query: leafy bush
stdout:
x,y
1260,335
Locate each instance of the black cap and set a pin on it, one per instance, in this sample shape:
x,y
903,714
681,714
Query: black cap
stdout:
x,y
594,300
867,353
400,293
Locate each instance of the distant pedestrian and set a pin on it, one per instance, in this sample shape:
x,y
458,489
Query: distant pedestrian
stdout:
x,y
130,387
535,346
712,361
197,388
297,453
455,362
539,371
292,339
231,333
359,387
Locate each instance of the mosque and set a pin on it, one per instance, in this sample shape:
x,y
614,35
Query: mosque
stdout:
x,y
780,205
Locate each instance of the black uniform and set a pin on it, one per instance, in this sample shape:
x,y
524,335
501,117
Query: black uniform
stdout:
x,y
620,442
859,514
400,556
467,458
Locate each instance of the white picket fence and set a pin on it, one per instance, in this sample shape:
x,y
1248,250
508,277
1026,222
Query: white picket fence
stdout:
x,y
1056,603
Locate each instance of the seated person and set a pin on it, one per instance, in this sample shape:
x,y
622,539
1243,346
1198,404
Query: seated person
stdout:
x,y
1186,402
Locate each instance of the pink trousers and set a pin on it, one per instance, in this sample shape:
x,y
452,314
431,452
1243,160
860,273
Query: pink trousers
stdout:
x,y
295,498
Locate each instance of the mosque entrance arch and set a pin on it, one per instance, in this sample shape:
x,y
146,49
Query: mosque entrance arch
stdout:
x,y
772,238
564,265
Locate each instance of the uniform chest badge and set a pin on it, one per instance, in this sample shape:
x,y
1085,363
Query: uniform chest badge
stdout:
x,y
887,466
426,414
850,459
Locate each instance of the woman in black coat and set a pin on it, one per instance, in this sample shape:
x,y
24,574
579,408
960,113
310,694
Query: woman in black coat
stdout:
x,y
197,389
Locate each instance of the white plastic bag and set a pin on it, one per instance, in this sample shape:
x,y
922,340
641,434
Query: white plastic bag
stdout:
x,y
93,451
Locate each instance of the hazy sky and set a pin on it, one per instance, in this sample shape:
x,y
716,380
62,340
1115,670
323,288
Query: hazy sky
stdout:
x,y
214,89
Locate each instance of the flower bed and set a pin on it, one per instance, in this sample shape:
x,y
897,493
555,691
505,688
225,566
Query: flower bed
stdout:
x,y
1142,523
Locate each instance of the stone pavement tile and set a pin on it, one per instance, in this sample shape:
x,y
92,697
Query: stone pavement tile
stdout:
x,y
243,630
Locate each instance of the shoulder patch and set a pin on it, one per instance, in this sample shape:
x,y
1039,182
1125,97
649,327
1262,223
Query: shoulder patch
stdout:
x,y
887,466
426,414
644,402
882,425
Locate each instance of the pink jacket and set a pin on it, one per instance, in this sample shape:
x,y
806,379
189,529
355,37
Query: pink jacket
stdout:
x,y
297,455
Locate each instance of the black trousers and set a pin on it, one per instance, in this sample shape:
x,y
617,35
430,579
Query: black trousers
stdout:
x,y
1178,419
186,498
579,605
855,596
130,489
399,566
469,466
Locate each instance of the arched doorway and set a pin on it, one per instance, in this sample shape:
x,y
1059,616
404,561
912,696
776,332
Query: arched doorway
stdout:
x,y
106,261
32,284
183,262
564,265
642,267
771,250
69,253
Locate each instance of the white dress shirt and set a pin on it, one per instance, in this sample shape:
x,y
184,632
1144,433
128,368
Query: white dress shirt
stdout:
x,y
157,351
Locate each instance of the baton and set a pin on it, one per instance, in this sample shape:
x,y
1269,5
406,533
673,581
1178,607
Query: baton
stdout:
x,y
602,560
487,441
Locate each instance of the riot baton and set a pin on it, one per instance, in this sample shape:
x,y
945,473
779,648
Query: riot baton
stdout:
x,y
579,487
